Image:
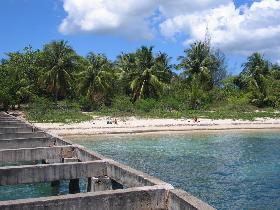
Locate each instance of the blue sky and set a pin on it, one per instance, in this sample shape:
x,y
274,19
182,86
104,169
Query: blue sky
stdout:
x,y
115,26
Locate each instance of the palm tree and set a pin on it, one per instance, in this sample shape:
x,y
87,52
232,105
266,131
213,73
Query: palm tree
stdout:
x,y
145,74
59,60
254,77
198,63
96,80
146,85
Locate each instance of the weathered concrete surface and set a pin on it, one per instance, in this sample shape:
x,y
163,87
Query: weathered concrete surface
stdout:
x,y
143,198
181,200
145,192
51,172
99,184
12,124
85,154
34,154
130,177
16,129
27,143
22,135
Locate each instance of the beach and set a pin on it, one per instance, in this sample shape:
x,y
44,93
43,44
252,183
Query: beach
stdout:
x,y
126,125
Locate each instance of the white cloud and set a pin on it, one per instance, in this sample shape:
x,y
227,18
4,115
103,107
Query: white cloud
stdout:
x,y
124,17
171,8
240,30
131,18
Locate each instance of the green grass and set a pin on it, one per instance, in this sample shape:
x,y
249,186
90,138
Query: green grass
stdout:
x,y
45,111
42,110
57,116
235,115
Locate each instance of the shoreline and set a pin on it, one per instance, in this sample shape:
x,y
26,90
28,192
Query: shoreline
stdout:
x,y
134,125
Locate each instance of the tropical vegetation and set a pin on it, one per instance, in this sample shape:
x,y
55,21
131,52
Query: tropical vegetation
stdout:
x,y
56,81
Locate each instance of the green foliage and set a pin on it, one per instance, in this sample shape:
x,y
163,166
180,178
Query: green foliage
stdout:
x,y
145,105
143,74
57,84
96,80
123,104
44,110
59,61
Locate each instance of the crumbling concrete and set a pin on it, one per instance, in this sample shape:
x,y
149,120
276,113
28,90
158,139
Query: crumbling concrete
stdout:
x,y
35,154
21,142
13,175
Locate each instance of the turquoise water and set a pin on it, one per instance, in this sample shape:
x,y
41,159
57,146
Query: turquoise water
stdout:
x,y
228,170
23,191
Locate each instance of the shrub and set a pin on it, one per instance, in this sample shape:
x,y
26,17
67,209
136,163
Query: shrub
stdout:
x,y
122,104
145,105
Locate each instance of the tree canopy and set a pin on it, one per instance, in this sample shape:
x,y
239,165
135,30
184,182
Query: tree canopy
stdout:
x,y
199,80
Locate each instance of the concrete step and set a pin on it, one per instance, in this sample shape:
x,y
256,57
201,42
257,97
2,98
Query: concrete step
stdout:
x,y
15,129
18,125
22,135
26,143
10,121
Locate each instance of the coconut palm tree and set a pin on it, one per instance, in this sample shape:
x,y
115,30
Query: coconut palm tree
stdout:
x,y
146,85
198,63
96,80
145,73
254,77
59,61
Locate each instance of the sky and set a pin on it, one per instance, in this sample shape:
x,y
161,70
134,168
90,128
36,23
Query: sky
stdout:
x,y
237,27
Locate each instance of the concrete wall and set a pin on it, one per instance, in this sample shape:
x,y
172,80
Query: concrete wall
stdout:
x,y
15,129
4,124
22,135
86,155
181,200
34,154
51,172
130,177
146,198
26,143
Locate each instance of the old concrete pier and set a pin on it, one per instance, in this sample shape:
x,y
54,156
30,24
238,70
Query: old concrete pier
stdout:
x,y
30,155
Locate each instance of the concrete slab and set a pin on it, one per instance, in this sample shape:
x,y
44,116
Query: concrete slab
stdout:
x,y
13,175
22,135
16,129
15,125
130,177
34,154
27,143
181,200
143,198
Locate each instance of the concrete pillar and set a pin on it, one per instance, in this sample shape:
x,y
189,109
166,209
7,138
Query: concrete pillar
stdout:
x,y
74,186
54,184
99,184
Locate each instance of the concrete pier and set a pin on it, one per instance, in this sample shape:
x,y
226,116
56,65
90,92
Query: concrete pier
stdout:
x,y
13,175
22,135
99,184
33,154
110,185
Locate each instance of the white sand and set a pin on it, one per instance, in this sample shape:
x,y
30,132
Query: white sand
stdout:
x,y
136,125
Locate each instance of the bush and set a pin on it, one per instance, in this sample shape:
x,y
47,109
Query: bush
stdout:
x,y
122,104
44,110
85,104
145,105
